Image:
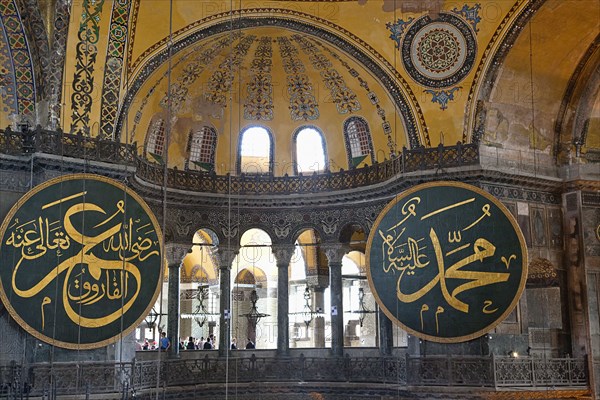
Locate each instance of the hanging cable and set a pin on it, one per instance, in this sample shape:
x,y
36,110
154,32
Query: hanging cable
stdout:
x,y
229,216
533,134
124,183
167,140
546,334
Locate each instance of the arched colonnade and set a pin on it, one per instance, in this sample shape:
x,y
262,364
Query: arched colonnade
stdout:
x,y
310,293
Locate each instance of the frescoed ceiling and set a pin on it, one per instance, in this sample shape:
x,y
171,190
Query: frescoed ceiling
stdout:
x,y
511,74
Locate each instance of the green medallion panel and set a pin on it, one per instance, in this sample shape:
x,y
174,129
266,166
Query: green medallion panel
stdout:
x,y
80,261
446,261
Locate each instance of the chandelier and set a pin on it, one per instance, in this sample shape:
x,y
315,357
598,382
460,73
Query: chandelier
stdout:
x,y
254,316
201,313
362,309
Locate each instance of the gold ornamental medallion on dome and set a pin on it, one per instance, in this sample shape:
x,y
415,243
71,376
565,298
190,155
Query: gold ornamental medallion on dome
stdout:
x,y
80,261
447,261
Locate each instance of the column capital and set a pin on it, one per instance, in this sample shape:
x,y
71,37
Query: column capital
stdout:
x,y
335,251
283,253
225,255
175,252
318,282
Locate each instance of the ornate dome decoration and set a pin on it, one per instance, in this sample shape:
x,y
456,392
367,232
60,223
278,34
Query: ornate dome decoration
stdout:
x,y
439,53
329,62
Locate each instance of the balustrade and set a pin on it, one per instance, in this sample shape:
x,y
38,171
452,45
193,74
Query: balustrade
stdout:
x,y
466,371
65,144
92,149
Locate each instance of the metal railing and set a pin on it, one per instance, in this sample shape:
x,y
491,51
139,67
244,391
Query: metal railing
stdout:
x,y
91,149
121,378
436,159
28,141
535,372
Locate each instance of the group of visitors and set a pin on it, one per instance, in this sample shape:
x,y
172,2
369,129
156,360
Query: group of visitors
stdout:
x,y
209,343
249,344
162,344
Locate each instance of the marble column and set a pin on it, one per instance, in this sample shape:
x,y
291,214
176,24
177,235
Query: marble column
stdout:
x,y
225,257
283,254
174,253
335,252
318,284
319,321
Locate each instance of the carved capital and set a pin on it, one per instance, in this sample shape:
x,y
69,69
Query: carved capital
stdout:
x,y
175,252
318,282
335,252
283,254
225,255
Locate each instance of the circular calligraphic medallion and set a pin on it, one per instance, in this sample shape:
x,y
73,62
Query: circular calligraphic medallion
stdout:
x,y
80,261
439,53
446,261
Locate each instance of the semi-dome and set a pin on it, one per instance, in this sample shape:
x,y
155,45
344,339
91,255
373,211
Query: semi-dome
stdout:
x,y
279,79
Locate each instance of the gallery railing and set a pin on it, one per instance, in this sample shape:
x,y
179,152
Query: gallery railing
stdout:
x,y
95,378
27,141
513,372
435,159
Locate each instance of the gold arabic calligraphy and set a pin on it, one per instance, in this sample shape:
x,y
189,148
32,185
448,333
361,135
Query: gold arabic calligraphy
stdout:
x,y
406,255
95,278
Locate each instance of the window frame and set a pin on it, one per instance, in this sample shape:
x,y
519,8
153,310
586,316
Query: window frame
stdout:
x,y
153,135
239,150
204,129
347,122
295,149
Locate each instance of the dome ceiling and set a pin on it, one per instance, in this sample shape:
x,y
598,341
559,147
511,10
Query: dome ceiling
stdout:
x,y
520,75
271,77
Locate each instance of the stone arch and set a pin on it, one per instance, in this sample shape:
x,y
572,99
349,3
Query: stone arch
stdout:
x,y
308,241
355,234
254,274
358,258
256,277
267,228
255,253
216,239
200,265
480,93
301,227
573,122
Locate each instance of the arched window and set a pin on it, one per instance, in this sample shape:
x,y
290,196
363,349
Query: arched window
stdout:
x,y
311,154
202,144
358,141
255,152
155,139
